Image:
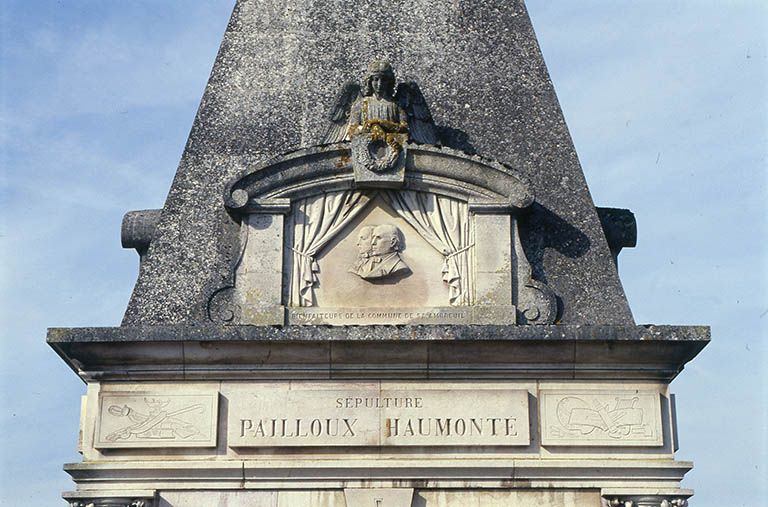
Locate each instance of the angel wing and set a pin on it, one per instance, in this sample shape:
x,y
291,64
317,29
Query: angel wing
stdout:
x,y
337,130
421,126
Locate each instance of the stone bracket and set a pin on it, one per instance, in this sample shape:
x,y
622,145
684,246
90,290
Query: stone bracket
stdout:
x,y
535,301
645,501
104,499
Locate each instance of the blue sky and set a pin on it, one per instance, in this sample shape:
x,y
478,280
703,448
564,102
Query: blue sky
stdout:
x,y
667,103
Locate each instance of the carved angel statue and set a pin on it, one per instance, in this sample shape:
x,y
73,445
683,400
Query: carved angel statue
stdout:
x,y
378,111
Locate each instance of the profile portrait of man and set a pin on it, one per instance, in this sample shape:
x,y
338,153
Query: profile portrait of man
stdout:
x,y
386,244
361,265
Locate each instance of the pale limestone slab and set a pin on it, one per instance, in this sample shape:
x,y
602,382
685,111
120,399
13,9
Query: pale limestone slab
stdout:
x,y
493,258
260,273
279,417
458,417
612,418
156,419
251,499
378,497
552,498
339,287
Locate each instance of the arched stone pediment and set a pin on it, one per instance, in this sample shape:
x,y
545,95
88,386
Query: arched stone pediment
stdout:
x,y
301,227
329,168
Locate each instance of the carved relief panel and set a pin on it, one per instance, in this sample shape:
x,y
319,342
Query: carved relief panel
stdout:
x,y
156,419
380,224
367,270
601,418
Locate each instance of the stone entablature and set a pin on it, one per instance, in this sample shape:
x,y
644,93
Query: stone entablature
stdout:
x,y
266,430
267,417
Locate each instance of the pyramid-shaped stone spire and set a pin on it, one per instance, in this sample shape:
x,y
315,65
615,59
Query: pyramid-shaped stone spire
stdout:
x,y
274,82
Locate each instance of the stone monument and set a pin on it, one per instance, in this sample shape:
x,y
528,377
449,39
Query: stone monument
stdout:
x,y
379,280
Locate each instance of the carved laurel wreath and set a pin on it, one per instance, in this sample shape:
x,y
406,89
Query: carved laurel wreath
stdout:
x,y
367,155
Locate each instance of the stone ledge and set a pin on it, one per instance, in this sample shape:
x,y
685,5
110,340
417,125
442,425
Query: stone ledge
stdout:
x,y
406,352
649,332
614,475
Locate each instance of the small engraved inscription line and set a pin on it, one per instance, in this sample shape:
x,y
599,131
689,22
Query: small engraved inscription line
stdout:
x,y
380,402
308,316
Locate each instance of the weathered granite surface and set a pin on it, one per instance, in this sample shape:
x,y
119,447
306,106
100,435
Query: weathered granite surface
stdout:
x,y
279,67
648,333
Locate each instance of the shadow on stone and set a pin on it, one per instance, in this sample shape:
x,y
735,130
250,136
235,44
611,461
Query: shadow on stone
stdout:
x,y
542,229
419,501
456,139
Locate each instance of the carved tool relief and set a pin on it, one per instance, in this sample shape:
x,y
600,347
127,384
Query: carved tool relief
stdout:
x,y
601,419
615,420
154,420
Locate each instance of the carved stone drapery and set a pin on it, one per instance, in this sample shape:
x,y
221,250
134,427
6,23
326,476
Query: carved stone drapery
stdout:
x,y
492,193
445,224
315,221
442,221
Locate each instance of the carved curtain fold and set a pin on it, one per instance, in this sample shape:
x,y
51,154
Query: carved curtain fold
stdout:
x,y
316,220
444,223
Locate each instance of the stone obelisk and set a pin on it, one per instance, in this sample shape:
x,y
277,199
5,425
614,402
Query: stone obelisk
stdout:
x,y
379,279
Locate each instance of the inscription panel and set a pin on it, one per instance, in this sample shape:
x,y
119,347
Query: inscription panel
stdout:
x,y
601,418
276,417
152,419
338,316
371,417
373,316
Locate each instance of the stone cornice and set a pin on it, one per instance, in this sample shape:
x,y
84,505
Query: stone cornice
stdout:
x,y
426,352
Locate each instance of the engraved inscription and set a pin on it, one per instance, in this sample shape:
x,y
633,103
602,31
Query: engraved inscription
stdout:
x,y
285,417
374,315
297,428
447,427
156,420
619,418
279,417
